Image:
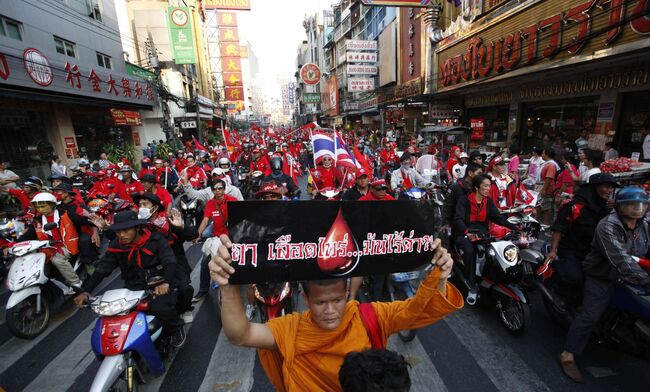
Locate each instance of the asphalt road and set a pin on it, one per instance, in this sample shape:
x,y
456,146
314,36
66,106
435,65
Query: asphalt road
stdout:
x,y
467,351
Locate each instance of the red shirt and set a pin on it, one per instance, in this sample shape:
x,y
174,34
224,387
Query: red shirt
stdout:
x,y
108,186
262,165
450,164
217,210
548,172
143,171
164,196
133,187
369,197
327,178
195,175
21,196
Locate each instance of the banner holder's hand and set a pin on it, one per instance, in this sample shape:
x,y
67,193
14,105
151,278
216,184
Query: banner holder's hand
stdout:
x,y
219,266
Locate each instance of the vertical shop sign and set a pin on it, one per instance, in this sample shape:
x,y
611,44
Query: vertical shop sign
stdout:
x,y
182,37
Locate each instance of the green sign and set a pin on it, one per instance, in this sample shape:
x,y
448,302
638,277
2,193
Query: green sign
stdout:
x,y
134,70
179,20
311,97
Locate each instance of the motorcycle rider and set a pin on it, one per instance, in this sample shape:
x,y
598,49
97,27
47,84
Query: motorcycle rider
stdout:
x,y
503,190
619,238
225,165
141,255
360,187
388,158
30,187
82,175
280,178
149,184
378,191
246,157
260,163
206,193
146,167
130,184
461,188
108,186
575,225
475,212
64,237
326,176
195,174
406,177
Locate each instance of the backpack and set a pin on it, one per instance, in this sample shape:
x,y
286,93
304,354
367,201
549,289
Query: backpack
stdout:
x,y
371,323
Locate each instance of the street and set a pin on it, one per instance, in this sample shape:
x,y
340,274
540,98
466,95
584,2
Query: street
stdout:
x,y
467,351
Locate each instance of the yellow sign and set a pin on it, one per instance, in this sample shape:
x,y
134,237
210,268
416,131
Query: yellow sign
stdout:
x,y
227,4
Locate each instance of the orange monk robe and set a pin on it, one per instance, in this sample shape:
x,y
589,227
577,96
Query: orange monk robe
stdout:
x,y
308,358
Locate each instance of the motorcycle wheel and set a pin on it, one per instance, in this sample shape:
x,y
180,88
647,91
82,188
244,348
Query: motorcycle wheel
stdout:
x,y
408,334
22,320
559,315
513,315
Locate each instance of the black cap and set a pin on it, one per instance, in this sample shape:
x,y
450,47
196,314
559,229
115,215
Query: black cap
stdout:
x,y
602,178
148,178
148,196
126,219
405,157
58,176
66,187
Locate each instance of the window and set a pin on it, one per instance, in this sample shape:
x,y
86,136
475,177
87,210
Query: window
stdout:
x,y
104,60
91,8
10,28
94,10
64,47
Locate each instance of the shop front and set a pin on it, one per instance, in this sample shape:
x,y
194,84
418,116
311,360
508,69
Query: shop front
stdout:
x,y
549,68
50,108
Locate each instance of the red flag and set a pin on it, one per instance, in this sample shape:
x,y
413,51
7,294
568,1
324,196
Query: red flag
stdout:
x,y
198,145
361,158
226,138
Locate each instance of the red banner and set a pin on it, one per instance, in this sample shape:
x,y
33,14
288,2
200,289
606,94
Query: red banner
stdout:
x,y
228,34
227,19
230,49
234,93
232,79
126,117
231,64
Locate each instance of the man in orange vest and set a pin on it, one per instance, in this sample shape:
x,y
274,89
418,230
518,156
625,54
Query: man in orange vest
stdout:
x,y
63,237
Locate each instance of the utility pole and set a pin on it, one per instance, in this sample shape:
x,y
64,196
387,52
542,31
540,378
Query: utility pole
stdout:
x,y
155,64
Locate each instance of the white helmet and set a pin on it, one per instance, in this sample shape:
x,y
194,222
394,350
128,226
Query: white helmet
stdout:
x,y
218,171
224,161
44,196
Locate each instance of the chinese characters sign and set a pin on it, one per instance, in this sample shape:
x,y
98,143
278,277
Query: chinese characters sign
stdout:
x,y
182,36
231,60
410,48
360,84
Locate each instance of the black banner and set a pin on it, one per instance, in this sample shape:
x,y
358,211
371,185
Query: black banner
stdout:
x,y
278,241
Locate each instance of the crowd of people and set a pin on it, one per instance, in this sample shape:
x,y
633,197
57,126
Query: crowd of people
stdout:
x,y
144,235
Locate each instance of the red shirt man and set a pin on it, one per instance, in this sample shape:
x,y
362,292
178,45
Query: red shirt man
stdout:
x,y
378,191
149,184
132,186
260,163
108,186
327,176
216,209
453,159
195,174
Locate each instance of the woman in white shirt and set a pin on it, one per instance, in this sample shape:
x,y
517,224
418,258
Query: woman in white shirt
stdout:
x,y
57,167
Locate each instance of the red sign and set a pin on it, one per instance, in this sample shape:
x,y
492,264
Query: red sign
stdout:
x,y
477,124
310,73
37,67
234,93
228,34
227,19
230,49
231,64
4,67
70,142
232,79
126,117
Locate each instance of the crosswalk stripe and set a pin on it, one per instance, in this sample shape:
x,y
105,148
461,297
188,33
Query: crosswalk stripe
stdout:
x,y
424,376
70,363
230,368
504,367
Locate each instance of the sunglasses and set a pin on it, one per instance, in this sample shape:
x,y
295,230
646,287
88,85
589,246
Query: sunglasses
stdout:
x,y
380,188
218,188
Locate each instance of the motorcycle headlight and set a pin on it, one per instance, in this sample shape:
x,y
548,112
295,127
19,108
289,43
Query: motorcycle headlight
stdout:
x,y
21,249
113,308
192,204
511,253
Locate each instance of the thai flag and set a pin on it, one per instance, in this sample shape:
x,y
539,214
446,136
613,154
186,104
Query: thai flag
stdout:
x,y
343,156
323,145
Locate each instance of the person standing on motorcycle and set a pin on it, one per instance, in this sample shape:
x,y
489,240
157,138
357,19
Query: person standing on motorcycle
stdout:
x,y
620,237
503,190
378,191
575,225
473,215
63,237
149,184
89,239
173,228
142,256
406,177
130,184
193,172
459,189
30,187
260,163
282,180
360,187
326,175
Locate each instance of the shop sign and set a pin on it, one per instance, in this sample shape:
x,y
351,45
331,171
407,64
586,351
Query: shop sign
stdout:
x,y
126,117
397,3
362,69
70,142
227,18
500,98
350,106
231,64
588,85
553,31
243,5
37,67
232,79
310,74
606,111
182,36
370,103
476,124
234,93
410,50
413,87
292,93
353,44
188,124
439,112
135,70
228,34
361,57
360,84
311,97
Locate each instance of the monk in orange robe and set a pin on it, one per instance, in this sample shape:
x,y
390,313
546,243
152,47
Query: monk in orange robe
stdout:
x,y
304,351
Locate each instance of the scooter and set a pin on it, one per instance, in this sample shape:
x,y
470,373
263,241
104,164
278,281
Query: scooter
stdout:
x,y
624,326
274,299
402,286
192,210
36,287
498,273
124,340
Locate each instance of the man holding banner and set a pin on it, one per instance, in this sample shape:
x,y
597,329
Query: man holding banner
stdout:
x,y
304,351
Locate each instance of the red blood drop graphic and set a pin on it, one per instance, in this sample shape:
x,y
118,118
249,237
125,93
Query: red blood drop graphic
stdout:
x,y
335,258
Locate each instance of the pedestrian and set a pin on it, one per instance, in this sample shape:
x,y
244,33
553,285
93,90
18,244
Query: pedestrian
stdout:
x,y
534,164
57,167
304,351
610,152
583,141
7,177
548,173
513,164
103,161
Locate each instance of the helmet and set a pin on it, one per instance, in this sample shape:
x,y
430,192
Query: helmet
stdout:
x,y
33,182
146,160
223,161
276,163
631,194
44,197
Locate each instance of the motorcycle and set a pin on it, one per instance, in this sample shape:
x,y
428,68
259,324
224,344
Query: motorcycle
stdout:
x,y
498,273
402,286
192,210
274,299
36,287
625,324
328,193
126,340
